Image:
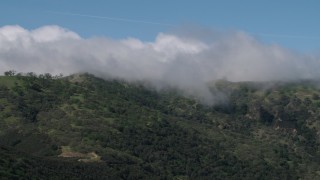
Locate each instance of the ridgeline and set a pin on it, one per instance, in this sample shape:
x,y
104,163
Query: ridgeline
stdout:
x,y
82,126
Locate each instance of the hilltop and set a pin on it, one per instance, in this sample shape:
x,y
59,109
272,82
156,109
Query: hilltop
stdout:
x,y
84,126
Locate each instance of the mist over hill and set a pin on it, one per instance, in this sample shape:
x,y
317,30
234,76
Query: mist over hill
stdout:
x,y
188,105
184,61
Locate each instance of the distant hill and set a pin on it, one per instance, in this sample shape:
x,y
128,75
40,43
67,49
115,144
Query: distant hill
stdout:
x,y
82,126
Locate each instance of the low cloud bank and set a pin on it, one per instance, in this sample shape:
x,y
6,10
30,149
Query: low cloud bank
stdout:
x,y
187,63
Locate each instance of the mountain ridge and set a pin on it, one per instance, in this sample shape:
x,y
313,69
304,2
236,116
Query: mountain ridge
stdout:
x,y
258,133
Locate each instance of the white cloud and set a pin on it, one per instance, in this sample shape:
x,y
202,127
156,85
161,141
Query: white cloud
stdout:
x,y
52,33
182,62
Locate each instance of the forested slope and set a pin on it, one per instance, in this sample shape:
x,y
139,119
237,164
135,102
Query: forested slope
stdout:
x,y
84,126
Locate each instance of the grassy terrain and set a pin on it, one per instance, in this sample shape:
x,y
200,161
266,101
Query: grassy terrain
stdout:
x,y
61,126
9,81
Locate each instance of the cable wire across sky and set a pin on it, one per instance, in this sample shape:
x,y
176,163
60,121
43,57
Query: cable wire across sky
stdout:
x,y
111,18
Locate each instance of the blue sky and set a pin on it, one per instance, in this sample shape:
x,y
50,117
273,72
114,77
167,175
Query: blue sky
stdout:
x,y
290,23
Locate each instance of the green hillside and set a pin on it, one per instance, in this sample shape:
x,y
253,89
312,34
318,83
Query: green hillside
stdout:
x,y
82,126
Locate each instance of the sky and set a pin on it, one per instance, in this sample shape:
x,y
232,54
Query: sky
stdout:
x,y
293,24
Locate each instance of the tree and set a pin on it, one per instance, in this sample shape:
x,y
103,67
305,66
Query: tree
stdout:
x,y
31,74
10,73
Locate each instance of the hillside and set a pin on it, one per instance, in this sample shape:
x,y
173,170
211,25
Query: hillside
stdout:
x,y
84,126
